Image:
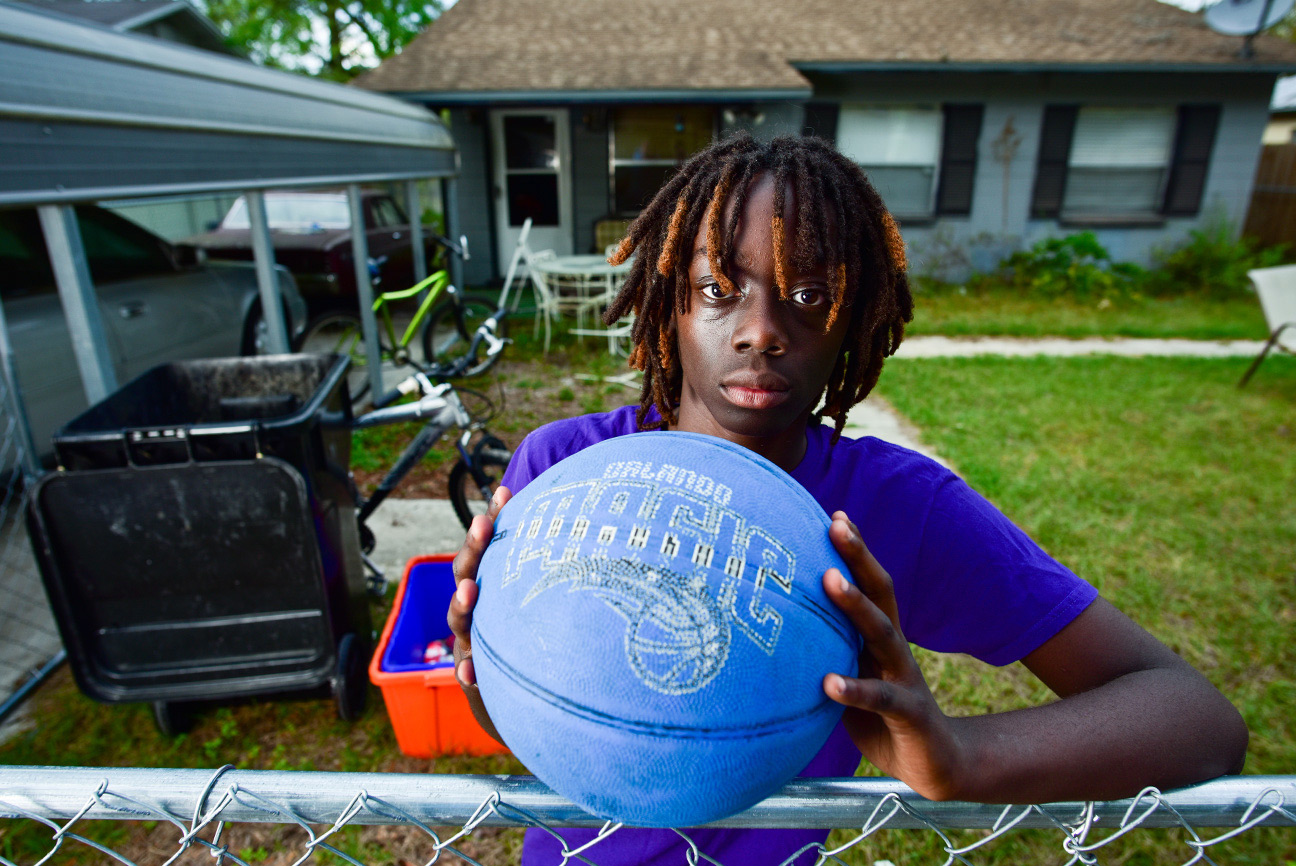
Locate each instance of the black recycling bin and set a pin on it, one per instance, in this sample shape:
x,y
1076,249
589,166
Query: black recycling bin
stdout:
x,y
198,541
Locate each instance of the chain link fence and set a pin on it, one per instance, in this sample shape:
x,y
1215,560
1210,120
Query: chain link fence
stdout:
x,y
29,639
201,806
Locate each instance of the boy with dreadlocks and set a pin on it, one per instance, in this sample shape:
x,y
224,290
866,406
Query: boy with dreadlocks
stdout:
x,y
768,286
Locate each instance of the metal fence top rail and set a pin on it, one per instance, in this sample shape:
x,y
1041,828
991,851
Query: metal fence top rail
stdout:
x,y
266,796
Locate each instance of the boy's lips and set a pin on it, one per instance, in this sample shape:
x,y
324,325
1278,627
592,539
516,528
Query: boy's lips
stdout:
x,y
755,390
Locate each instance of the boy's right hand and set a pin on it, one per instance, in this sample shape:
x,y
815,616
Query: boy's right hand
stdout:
x,y
459,616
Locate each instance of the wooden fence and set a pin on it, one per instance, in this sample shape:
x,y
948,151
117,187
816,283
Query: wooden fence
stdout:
x,y
1272,215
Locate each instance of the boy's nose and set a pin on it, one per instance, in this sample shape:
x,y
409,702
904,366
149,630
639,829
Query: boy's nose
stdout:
x,y
759,327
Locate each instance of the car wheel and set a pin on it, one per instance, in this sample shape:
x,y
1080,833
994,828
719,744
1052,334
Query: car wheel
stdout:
x,y
256,332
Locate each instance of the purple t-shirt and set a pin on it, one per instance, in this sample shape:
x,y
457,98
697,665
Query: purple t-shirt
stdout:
x,y
966,580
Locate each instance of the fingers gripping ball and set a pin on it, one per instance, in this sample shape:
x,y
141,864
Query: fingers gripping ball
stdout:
x,y
651,632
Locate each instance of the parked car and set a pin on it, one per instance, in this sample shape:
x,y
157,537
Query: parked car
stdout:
x,y
157,305
311,235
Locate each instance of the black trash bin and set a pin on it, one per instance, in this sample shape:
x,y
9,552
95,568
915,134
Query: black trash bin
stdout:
x,y
199,541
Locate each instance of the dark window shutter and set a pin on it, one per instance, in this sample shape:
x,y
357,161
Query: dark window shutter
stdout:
x,y
959,159
821,120
1194,142
1051,167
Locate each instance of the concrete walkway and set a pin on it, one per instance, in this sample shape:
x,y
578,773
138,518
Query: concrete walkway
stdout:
x,y
965,347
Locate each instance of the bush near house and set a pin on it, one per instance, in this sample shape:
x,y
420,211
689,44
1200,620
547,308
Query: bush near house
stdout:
x,y
1212,262
1071,287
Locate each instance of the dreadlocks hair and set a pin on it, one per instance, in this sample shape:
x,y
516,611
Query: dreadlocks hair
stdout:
x,y
840,220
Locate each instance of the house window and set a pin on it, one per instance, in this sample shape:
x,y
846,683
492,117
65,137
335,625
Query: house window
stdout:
x,y
899,149
1119,161
648,143
1121,164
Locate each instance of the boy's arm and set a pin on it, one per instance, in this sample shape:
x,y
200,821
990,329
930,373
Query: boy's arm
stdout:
x,y
1131,714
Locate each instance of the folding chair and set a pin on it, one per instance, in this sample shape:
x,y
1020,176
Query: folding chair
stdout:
x,y
521,251
1276,288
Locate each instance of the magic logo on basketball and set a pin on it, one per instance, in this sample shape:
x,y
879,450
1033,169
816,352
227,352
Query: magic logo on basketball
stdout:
x,y
660,546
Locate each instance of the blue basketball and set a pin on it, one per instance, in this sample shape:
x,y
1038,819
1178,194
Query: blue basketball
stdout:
x,y
651,632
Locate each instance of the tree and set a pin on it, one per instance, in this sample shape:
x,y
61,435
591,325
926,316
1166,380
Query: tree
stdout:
x,y
335,39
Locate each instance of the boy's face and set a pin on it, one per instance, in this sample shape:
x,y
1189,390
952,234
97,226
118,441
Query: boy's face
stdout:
x,y
755,365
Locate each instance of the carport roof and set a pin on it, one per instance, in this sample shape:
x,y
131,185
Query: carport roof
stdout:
x,y
88,113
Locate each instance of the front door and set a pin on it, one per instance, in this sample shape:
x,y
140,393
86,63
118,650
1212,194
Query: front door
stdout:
x,y
532,179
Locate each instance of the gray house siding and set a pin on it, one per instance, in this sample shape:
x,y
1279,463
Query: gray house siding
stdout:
x,y
589,153
999,219
475,199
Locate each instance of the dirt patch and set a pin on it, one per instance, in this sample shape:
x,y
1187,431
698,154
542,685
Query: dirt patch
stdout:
x,y
525,390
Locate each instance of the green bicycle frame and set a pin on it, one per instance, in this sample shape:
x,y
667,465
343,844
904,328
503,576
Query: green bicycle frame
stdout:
x,y
435,284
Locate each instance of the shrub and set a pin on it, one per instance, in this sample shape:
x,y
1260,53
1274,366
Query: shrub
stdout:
x,y
1213,263
1077,266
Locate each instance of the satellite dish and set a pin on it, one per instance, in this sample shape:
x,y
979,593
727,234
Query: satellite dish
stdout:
x,y
1246,18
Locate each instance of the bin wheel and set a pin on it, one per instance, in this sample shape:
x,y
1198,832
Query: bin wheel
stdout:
x,y
172,720
351,685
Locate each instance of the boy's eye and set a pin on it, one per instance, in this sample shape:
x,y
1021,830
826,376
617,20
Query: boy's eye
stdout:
x,y
715,291
809,297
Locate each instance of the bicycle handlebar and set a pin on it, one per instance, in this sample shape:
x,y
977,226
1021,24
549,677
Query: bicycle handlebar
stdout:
x,y
460,249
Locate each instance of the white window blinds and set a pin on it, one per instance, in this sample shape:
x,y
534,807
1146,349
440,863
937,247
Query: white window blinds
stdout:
x,y
1119,160
898,147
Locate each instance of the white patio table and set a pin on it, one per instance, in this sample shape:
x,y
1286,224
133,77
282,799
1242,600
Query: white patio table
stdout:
x,y
590,277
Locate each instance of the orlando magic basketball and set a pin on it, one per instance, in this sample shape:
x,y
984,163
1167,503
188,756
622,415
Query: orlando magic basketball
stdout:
x,y
639,633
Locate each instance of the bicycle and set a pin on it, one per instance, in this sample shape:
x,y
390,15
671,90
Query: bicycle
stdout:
x,y
480,466
447,329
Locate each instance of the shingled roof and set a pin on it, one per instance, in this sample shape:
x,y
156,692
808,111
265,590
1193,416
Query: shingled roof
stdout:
x,y
570,47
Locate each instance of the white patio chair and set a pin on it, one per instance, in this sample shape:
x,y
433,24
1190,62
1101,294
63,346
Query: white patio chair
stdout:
x,y
521,252
1276,288
547,308
618,335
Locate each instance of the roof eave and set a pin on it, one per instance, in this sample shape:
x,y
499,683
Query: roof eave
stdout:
x,y
597,97
854,66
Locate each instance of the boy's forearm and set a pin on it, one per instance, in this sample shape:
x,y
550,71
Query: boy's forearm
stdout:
x,y
1166,727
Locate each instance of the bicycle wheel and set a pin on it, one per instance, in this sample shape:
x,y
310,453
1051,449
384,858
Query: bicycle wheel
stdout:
x,y
466,496
340,334
444,343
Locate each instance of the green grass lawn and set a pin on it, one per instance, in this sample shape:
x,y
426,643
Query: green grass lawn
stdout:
x,y
1004,313
1157,479
1168,488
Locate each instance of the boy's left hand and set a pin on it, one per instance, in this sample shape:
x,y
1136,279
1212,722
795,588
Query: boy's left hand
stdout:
x,y
890,712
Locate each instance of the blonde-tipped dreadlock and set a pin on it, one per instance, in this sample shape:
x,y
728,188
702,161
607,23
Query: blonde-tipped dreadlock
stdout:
x,y
840,221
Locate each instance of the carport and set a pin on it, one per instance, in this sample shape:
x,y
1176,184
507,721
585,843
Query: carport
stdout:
x,y
88,114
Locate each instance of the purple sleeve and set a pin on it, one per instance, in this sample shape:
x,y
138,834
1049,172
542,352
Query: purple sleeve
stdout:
x,y
983,586
526,464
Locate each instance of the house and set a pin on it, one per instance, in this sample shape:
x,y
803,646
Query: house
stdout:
x,y
985,124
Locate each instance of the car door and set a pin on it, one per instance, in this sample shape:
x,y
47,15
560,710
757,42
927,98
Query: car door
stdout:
x,y
157,311
388,235
48,379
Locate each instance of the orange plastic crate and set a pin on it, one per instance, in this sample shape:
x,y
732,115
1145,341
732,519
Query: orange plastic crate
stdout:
x,y
427,708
